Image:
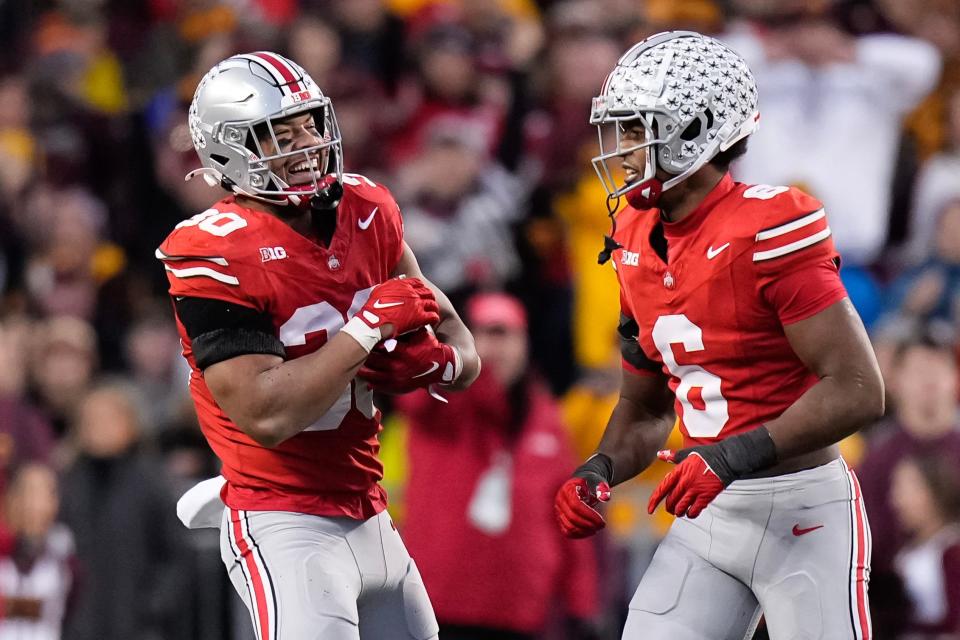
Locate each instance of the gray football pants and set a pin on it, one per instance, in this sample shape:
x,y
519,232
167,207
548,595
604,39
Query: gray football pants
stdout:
x,y
794,548
307,577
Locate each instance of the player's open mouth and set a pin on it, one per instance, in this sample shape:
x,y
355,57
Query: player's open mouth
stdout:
x,y
303,172
630,174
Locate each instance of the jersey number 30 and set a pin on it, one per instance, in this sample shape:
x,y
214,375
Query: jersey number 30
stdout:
x,y
323,316
704,418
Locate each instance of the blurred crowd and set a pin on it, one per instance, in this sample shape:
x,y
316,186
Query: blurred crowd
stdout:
x,y
474,114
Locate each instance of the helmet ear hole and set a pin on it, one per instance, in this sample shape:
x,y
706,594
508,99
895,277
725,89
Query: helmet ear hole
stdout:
x,y
219,159
692,132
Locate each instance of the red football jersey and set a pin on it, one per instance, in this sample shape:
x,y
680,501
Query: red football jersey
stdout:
x,y
249,257
711,315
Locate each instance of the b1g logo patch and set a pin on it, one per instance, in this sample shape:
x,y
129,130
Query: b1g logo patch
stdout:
x,y
272,253
630,258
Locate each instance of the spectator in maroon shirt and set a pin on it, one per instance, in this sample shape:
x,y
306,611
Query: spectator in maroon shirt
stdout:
x,y
25,434
922,382
925,419
447,89
479,521
926,499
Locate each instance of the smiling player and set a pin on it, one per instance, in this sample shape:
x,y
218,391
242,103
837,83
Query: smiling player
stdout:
x,y
282,289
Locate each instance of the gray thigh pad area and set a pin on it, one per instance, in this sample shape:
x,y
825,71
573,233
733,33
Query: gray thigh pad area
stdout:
x,y
682,597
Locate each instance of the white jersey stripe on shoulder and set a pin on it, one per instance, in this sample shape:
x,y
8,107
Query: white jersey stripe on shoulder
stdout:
x,y
202,272
810,218
160,255
793,246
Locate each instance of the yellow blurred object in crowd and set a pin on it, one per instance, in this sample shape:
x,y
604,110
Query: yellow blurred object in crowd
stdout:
x,y
929,123
852,449
704,14
201,25
585,413
18,143
596,305
108,260
102,84
517,8
393,455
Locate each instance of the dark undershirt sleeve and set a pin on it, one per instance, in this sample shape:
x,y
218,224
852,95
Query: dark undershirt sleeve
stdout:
x,y
220,330
633,355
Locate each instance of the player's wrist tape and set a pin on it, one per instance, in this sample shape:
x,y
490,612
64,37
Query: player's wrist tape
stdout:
x,y
364,334
599,464
742,454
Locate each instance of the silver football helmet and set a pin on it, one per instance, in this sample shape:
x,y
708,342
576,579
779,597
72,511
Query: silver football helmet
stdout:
x,y
237,103
694,97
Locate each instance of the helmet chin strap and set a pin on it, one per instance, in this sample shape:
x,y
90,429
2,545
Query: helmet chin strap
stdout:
x,y
645,194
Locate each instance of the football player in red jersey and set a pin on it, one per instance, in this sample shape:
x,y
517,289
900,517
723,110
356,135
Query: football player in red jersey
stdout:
x,y
731,300
282,289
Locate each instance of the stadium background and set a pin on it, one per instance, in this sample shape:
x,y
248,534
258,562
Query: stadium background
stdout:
x,y
474,114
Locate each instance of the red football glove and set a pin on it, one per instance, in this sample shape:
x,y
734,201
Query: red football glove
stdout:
x,y
575,507
395,307
418,361
705,470
689,488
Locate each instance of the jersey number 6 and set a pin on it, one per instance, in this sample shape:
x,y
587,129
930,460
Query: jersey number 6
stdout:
x,y
707,420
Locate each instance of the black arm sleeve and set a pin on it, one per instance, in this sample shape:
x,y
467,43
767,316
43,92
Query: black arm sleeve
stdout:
x,y
221,330
629,347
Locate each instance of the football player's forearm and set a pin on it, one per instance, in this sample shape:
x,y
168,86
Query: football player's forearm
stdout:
x,y
828,412
295,394
632,438
453,332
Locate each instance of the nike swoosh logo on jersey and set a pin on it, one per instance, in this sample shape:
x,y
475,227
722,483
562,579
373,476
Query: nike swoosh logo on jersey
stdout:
x,y
797,531
366,223
713,253
434,365
385,305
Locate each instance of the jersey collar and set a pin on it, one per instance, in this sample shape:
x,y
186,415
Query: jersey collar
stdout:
x,y
693,219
